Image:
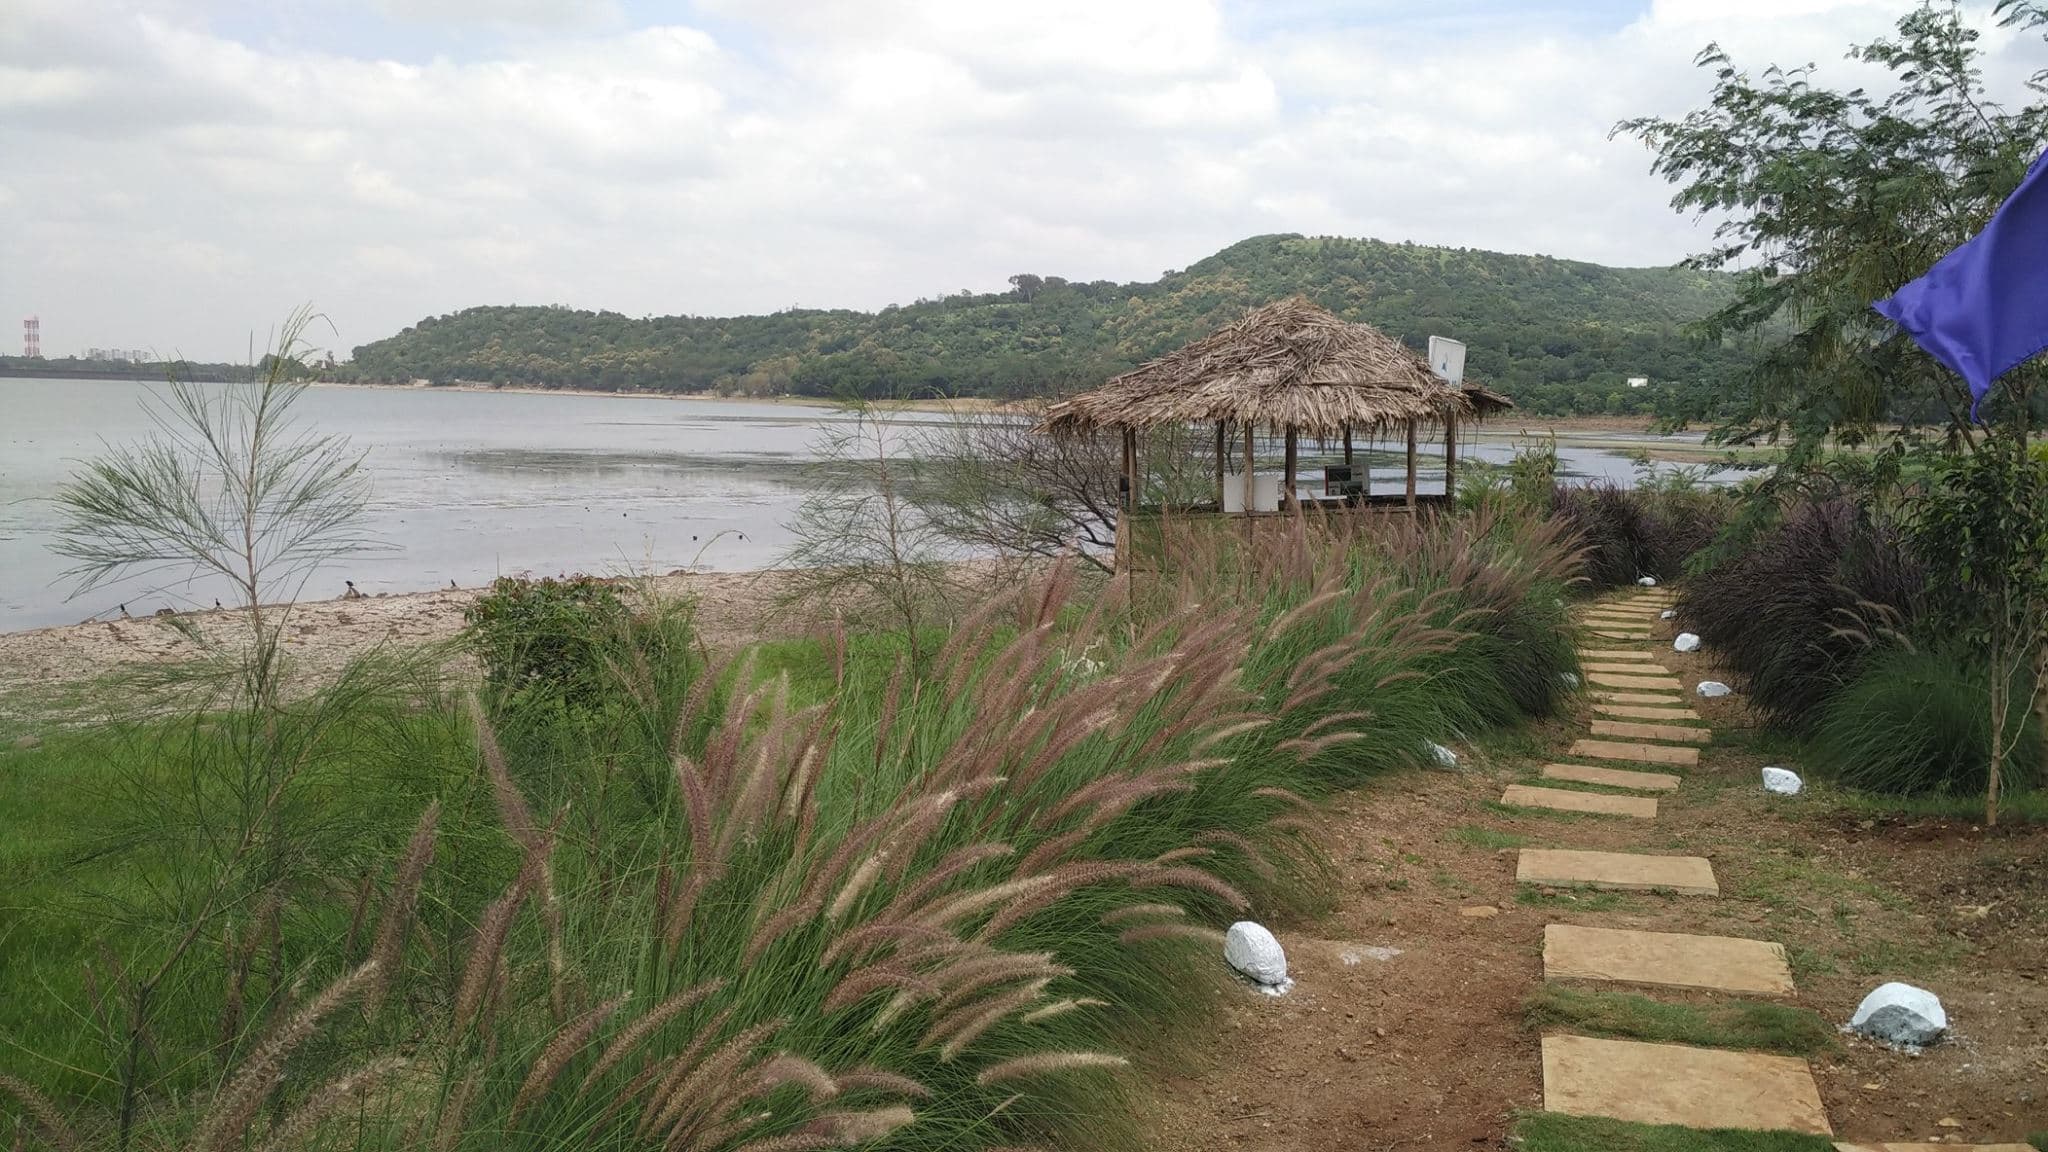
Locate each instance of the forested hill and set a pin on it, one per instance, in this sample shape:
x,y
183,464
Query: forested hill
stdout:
x,y
1557,335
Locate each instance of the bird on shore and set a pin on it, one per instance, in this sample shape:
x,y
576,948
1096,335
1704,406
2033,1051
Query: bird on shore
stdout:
x,y
451,584
351,594
216,603
124,612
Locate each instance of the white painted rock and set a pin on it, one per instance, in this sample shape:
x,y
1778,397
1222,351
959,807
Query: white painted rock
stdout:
x,y
1783,781
1668,614
1686,642
1444,757
1250,949
1648,581
1713,688
1900,1015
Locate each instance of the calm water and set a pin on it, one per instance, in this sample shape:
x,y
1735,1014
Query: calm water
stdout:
x,y
466,486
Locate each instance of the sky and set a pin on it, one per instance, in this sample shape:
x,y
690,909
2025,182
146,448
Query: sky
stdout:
x,y
178,175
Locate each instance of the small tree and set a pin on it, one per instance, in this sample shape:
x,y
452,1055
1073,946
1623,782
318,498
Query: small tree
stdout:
x,y
992,484
229,485
860,533
1982,528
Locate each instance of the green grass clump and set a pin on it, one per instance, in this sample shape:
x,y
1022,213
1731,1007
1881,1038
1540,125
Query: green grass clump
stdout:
x,y
1746,1024
1552,1132
1915,722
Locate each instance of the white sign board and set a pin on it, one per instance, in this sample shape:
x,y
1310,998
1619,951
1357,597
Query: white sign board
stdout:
x,y
1639,381
1447,356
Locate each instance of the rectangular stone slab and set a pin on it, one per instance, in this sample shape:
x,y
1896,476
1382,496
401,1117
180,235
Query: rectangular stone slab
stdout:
x,y
1676,733
1625,668
1673,1084
1612,634
1567,867
1726,963
1644,712
1619,680
1842,1147
1612,777
1612,654
1639,697
1639,753
1565,800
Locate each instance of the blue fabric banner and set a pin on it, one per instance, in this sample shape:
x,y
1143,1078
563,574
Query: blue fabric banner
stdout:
x,y
1983,308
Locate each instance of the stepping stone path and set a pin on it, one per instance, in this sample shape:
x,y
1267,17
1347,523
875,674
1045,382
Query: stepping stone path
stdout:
x,y
1645,712
1566,868
1564,800
1611,777
1720,963
1639,701
1640,753
1674,1084
1676,733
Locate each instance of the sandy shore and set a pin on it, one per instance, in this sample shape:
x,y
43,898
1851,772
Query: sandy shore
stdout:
x,y
934,404
322,636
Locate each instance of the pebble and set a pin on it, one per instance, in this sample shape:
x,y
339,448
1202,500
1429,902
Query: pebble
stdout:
x,y
1479,912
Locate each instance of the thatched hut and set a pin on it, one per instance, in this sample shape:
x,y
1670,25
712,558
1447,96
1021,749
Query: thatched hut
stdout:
x,y
1290,368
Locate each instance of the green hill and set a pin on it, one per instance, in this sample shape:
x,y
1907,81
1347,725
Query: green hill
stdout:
x,y
1558,335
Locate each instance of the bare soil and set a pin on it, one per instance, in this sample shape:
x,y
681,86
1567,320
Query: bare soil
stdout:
x,y
1428,1048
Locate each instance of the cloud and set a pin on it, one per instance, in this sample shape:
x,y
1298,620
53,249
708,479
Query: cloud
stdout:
x,y
174,179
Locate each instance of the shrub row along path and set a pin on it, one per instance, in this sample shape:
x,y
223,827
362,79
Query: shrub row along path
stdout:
x,y
1562,928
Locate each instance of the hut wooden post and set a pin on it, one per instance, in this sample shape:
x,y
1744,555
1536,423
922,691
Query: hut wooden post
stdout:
x,y
1126,501
1451,458
1222,455
1347,445
1287,497
1248,486
1411,465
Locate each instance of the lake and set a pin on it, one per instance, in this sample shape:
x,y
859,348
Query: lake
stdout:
x,y
467,486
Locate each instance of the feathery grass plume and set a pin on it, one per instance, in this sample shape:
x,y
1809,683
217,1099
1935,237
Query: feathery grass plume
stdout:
x,y
793,1142
1248,851
1061,1008
1131,912
861,983
484,952
863,876
777,926
870,1079
711,1080
227,1122
955,1033
864,1127
325,1100
49,1121
399,905
785,1068
860,943
963,979
1043,1063
674,1070
569,1039
632,1034
1187,876
1146,933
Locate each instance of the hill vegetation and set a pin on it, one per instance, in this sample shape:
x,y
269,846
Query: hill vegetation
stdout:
x,y
1559,336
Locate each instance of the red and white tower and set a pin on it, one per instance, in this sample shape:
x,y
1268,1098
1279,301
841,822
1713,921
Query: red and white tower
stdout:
x,y
32,338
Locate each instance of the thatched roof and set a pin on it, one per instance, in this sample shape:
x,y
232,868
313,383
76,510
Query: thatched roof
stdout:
x,y
1286,365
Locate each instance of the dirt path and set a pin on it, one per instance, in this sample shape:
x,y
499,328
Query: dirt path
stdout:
x,y
1428,1048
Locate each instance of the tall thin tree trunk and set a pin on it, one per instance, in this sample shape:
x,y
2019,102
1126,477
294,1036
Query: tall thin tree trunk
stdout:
x,y
2000,688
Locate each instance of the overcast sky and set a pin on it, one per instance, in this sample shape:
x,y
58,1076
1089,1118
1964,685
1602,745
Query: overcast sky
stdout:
x,y
176,175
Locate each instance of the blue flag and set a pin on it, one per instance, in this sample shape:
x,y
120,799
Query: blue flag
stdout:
x,y
1983,308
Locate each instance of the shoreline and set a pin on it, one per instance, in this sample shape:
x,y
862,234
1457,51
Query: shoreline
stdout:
x,y
787,400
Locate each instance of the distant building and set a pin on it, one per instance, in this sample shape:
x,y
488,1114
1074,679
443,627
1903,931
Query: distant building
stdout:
x,y
32,338
1639,381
